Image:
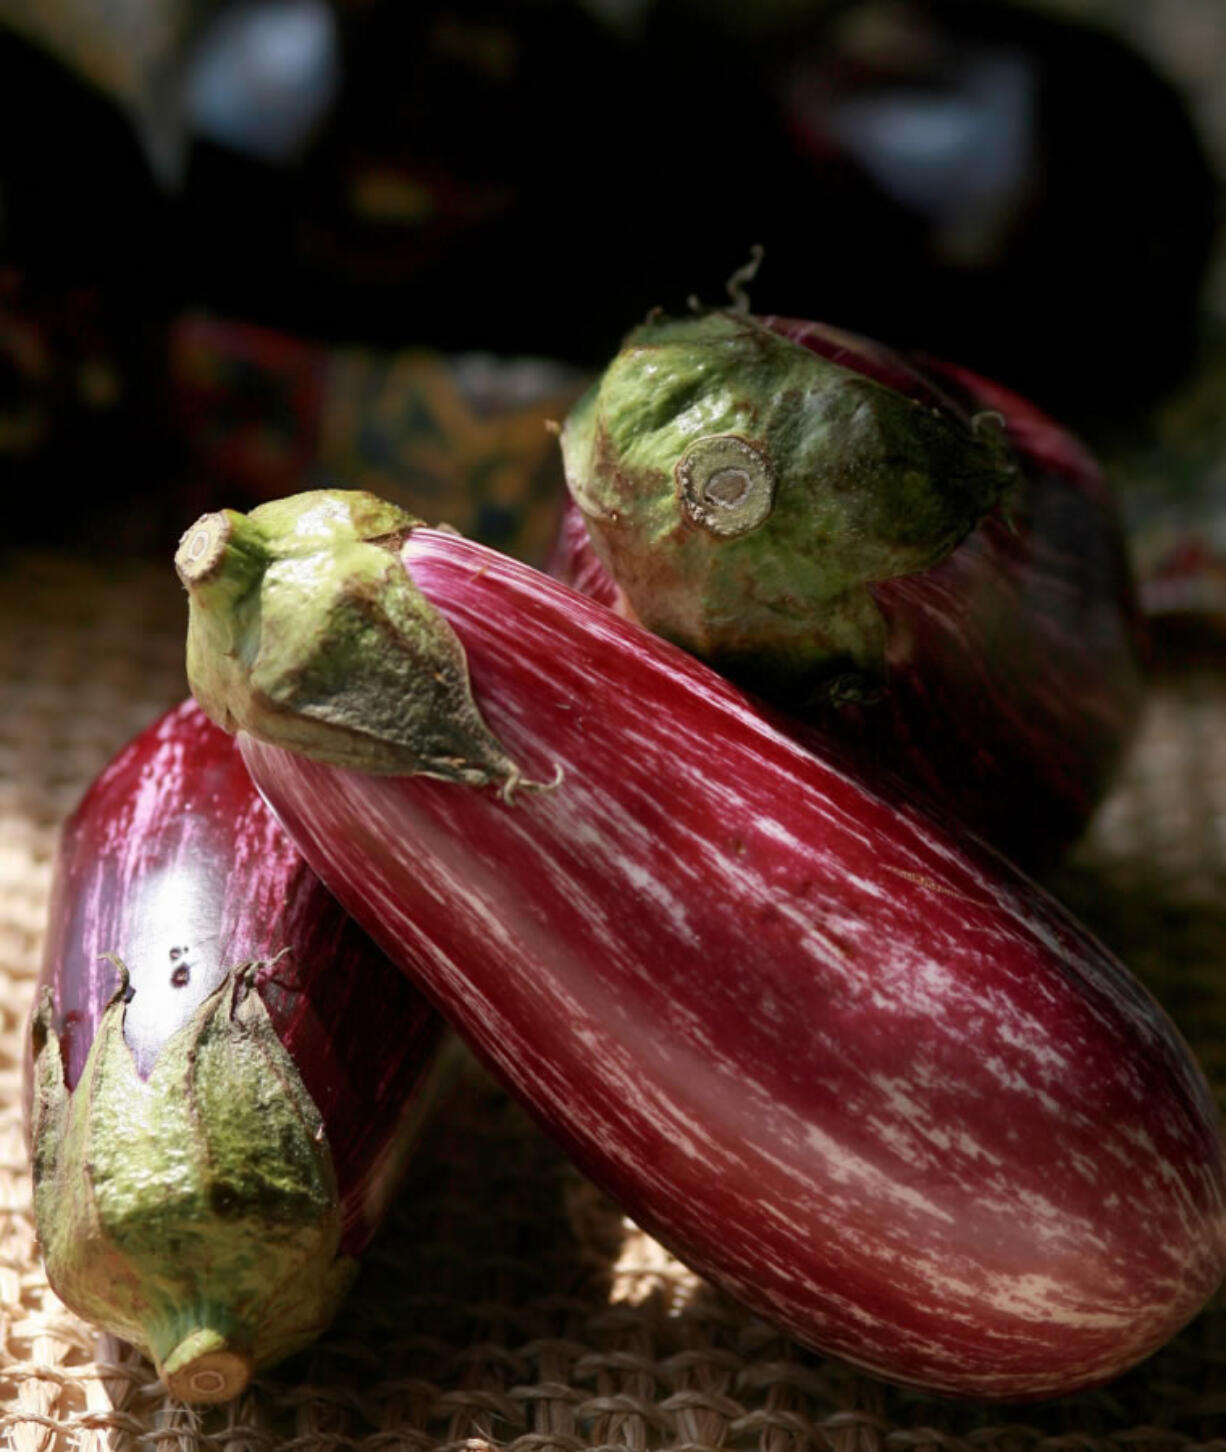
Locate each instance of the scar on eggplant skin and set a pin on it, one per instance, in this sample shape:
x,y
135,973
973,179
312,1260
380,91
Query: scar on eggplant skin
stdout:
x,y
181,973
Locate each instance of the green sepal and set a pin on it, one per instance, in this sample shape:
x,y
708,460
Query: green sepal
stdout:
x,y
306,631
848,482
193,1212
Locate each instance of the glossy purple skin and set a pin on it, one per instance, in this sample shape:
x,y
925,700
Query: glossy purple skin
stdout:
x,y
847,1063
173,862
1014,672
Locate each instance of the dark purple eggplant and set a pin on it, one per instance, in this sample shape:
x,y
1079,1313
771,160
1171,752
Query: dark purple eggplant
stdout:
x,y
225,1075
905,554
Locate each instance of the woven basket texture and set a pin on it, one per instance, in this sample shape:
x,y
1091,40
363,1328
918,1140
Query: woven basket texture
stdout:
x,y
507,1303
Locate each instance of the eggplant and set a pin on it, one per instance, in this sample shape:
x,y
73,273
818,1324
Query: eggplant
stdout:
x,y
909,555
225,1076
839,1057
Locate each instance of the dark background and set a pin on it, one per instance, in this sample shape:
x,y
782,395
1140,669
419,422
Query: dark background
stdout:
x,y
1025,193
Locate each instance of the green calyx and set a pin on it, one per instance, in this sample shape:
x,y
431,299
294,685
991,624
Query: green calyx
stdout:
x,y
306,631
745,493
193,1212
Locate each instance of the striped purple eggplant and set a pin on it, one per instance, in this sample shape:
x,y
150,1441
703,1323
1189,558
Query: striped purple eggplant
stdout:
x,y
912,556
849,1065
225,1075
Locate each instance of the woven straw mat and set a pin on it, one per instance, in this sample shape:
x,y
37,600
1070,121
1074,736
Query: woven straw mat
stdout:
x,y
507,1304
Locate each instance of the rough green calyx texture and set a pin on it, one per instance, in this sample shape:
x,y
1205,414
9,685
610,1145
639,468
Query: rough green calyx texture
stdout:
x,y
306,631
193,1212
745,492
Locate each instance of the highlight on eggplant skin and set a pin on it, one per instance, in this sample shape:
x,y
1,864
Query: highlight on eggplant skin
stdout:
x,y
842,1059
959,607
225,1077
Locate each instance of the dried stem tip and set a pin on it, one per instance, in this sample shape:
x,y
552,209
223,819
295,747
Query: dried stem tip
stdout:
x,y
203,547
205,1368
725,484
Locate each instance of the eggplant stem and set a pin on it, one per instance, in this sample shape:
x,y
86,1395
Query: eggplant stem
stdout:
x,y
205,1368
